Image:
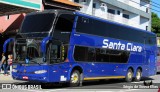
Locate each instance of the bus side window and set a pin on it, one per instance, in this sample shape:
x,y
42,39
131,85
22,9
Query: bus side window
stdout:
x,y
85,20
81,53
91,54
54,53
99,55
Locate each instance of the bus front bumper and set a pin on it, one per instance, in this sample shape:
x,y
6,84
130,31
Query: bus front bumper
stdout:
x,y
30,78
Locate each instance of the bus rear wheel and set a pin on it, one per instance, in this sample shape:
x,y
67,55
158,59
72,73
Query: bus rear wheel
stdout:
x,y
75,78
138,75
129,75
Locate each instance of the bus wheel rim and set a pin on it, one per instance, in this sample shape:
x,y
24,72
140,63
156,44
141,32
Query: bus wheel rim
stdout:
x,y
138,75
129,75
74,78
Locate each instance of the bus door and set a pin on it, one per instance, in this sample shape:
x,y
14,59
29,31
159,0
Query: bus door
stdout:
x,y
56,55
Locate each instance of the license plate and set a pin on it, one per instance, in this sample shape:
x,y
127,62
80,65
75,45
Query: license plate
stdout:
x,y
14,66
25,77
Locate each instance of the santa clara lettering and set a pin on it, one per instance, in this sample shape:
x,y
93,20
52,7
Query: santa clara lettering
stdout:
x,y
121,46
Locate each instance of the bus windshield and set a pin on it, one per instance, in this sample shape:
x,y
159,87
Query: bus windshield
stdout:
x,y
28,53
29,50
38,23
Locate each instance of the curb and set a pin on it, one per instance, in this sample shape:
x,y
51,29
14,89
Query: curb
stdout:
x,y
5,78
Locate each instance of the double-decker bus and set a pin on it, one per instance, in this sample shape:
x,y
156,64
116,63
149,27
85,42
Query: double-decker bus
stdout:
x,y
67,46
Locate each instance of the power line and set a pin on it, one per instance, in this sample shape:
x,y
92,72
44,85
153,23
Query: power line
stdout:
x,y
155,3
155,10
145,6
155,6
152,3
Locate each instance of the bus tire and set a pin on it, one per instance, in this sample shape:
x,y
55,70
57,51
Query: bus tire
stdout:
x,y
129,75
75,78
138,75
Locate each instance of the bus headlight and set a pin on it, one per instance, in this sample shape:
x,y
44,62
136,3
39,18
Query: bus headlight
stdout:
x,y
14,70
40,71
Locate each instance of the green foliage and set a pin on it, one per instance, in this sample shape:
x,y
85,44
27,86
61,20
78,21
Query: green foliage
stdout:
x,y
155,24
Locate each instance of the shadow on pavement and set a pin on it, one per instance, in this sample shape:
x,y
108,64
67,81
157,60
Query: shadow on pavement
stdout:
x,y
86,84
158,73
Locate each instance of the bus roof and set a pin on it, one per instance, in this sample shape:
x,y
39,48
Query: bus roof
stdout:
x,y
89,16
112,22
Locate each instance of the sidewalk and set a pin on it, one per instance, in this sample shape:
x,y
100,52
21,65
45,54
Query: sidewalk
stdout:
x,y
5,78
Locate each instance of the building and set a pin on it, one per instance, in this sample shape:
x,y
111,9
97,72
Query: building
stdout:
x,y
12,14
134,13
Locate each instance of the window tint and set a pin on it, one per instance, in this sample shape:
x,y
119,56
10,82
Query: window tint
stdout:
x,y
55,53
83,0
109,29
111,11
64,23
118,12
88,54
146,28
150,39
94,5
147,10
37,23
99,55
80,53
91,54
58,52
77,1
63,27
126,16
89,26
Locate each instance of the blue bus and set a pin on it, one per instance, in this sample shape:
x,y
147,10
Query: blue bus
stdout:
x,y
69,46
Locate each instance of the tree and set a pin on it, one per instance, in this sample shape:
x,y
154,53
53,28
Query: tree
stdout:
x,y
155,24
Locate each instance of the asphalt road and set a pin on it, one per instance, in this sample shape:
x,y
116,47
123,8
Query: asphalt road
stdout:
x,y
88,86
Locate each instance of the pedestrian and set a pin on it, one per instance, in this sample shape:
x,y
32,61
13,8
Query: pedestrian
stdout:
x,y
2,62
9,62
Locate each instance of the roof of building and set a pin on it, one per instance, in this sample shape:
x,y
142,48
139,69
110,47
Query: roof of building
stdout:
x,y
7,9
67,2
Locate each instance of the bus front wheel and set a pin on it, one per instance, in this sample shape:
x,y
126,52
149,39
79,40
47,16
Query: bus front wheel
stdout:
x,y
75,78
138,75
129,75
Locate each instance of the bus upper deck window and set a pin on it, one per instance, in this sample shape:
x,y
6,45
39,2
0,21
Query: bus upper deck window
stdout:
x,y
85,20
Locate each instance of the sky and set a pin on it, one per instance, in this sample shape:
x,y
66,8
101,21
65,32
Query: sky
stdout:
x,y
156,7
